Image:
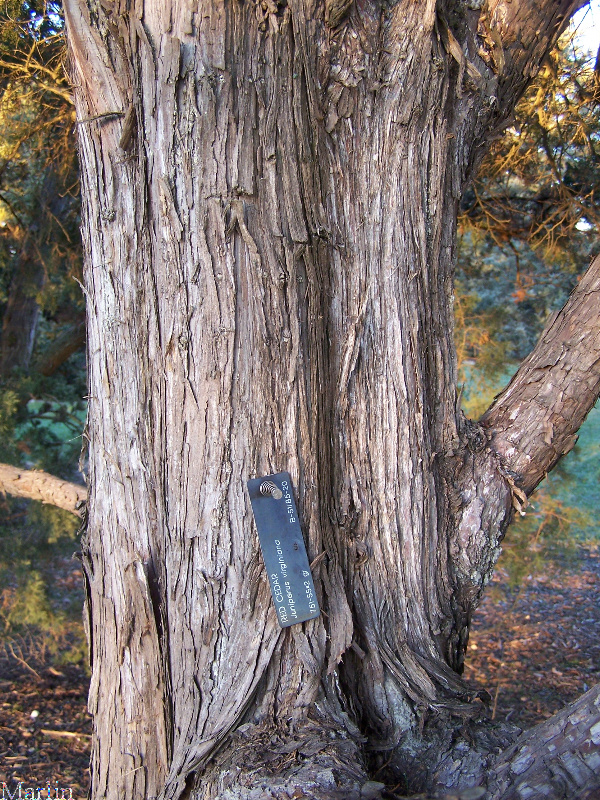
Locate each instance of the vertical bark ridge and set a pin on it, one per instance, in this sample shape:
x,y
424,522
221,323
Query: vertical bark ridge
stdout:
x,y
390,361
215,252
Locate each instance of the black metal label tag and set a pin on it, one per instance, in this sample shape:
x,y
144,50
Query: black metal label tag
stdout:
x,y
283,548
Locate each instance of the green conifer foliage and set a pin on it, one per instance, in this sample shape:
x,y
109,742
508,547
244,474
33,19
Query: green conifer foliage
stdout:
x,y
41,303
530,222
42,364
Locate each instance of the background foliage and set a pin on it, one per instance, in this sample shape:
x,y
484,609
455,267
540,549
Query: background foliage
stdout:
x,y
42,387
528,229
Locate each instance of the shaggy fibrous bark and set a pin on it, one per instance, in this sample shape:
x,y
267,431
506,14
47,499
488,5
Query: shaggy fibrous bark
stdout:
x,y
270,196
558,758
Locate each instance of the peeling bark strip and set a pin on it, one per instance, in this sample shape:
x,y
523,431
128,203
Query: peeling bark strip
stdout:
x,y
37,485
336,11
269,228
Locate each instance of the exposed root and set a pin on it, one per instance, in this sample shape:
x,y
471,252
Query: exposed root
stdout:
x,y
560,758
316,762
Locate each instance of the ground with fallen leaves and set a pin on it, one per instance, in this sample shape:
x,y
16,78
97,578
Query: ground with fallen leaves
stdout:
x,y
533,648
536,647
44,727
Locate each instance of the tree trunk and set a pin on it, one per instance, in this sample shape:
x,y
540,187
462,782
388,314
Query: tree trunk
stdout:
x,y
558,758
270,196
20,321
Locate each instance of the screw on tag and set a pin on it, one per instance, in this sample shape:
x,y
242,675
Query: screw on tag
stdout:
x,y
268,487
283,548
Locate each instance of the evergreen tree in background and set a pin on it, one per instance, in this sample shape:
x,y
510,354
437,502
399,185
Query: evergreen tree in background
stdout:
x,y
530,222
41,303
42,330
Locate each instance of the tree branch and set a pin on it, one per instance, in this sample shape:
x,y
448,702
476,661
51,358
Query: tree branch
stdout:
x,y
558,758
517,35
43,487
70,341
534,421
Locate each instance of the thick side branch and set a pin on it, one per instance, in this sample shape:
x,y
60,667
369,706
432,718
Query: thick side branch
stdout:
x,y
515,38
534,421
558,758
41,486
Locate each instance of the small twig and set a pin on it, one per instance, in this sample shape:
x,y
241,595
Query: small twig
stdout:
x,y
383,766
358,650
105,115
65,734
318,559
12,210
22,661
495,700
134,770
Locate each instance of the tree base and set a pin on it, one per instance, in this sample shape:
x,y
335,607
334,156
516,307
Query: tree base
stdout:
x,y
315,762
556,760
